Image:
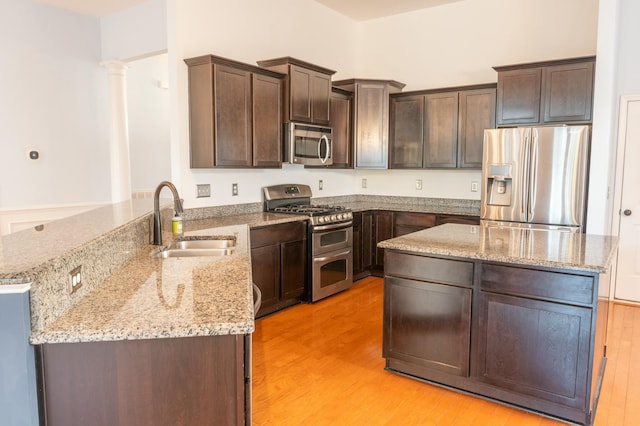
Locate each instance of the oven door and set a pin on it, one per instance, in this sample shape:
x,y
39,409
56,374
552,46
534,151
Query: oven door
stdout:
x,y
331,273
331,238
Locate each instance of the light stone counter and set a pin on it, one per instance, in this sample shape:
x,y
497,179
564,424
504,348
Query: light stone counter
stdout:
x,y
127,294
151,297
549,248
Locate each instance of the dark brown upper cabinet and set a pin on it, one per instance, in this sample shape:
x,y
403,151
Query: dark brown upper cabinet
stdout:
x,y
341,121
441,128
546,92
235,114
371,120
307,89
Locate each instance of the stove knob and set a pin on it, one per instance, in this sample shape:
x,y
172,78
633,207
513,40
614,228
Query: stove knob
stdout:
x,y
321,219
333,217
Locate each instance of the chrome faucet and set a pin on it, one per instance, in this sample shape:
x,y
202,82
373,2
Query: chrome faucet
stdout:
x,y
157,228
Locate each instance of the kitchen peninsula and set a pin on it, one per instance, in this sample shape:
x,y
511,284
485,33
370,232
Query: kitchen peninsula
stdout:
x,y
143,339
140,323
517,315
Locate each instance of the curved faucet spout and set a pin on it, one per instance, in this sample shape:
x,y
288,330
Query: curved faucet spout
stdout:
x,y
177,205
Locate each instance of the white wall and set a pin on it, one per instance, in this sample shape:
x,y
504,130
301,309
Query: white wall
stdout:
x,y
52,99
449,45
135,32
459,43
148,112
248,31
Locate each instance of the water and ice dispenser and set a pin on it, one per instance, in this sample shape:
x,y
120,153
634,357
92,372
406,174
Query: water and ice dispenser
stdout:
x,y
499,185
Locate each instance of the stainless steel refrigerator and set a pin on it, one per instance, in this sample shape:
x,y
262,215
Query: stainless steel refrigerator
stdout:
x,y
535,176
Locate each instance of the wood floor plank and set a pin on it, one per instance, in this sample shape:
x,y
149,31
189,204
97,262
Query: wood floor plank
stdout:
x,y
321,364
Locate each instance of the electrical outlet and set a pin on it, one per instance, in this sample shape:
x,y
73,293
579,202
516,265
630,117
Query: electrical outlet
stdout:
x,y
364,182
474,186
234,189
75,279
320,184
418,183
203,190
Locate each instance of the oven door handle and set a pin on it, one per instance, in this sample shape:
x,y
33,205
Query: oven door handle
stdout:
x,y
333,227
333,256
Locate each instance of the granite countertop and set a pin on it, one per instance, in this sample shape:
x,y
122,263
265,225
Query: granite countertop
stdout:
x,y
129,294
464,209
535,247
151,297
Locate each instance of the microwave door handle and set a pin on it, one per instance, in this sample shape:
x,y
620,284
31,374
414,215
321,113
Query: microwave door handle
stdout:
x,y
324,139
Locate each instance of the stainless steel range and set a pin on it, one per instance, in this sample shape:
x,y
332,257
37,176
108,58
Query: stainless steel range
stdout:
x,y
330,237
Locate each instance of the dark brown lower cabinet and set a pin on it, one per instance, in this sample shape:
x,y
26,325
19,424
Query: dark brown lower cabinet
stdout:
x,y
181,381
438,339
279,264
371,227
535,338
382,230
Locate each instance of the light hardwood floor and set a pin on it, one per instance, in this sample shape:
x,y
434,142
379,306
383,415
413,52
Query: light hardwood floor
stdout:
x,y
321,364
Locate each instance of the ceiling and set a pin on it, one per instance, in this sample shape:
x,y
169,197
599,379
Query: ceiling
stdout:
x,y
96,8
362,10
359,10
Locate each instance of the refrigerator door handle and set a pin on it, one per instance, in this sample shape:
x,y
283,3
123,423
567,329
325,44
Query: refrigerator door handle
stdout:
x,y
533,175
524,161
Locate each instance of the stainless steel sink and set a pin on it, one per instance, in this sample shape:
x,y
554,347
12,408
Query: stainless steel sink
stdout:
x,y
204,244
198,247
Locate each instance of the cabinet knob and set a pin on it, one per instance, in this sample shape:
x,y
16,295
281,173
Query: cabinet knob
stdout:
x,y
627,212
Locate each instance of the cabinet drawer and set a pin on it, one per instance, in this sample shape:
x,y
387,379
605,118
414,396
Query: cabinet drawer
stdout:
x,y
424,268
425,220
465,220
276,234
538,284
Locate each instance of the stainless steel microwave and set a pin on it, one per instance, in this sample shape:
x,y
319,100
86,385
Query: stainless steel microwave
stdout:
x,y
308,144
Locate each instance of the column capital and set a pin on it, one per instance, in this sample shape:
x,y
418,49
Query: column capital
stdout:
x,y
115,67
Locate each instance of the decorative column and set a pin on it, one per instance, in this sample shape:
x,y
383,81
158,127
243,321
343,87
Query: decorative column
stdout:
x,y
118,131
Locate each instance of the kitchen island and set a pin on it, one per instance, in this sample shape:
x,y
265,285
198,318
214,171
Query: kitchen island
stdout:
x,y
515,315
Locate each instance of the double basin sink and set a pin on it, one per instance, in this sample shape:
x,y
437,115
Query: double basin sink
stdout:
x,y
198,247
206,247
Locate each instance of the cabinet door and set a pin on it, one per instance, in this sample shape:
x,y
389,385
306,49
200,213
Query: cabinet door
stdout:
x,y
293,261
232,103
341,122
441,130
309,93
267,121
372,125
299,94
320,95
519,96
357,243
534,347
477,113
383,229
201,110
406,125
265,270
568,92
427,324
368,243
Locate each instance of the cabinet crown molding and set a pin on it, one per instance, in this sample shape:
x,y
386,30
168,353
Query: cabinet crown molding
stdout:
x,y
288,60
213,59
545,63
